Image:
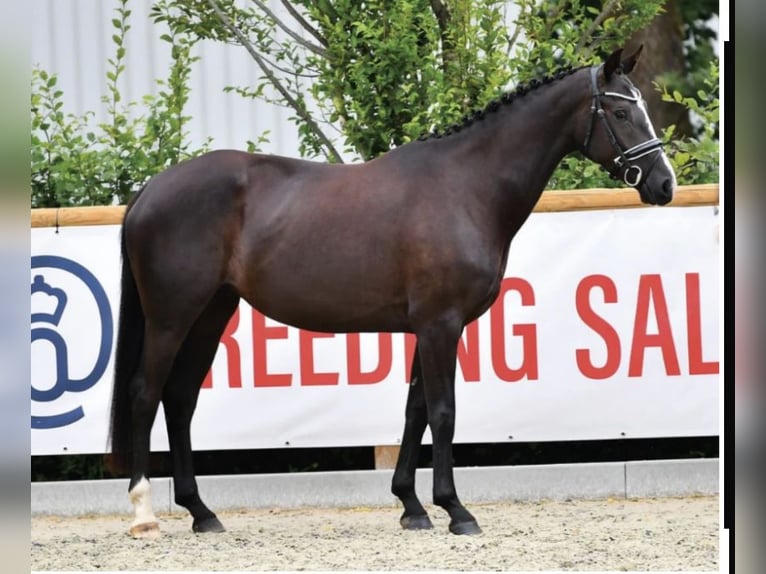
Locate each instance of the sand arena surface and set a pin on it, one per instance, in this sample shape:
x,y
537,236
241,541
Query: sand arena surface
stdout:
x,y
612,534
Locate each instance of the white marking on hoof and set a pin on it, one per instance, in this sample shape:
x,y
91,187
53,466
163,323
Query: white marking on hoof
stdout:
x,y
146,530
145,523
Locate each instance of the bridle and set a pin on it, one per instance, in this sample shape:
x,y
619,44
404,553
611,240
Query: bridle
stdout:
x,y
625,157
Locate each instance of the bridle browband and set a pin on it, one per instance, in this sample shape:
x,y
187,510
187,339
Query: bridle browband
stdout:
x,y
625,156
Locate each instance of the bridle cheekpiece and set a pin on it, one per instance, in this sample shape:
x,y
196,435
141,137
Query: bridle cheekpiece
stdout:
x,y
632,173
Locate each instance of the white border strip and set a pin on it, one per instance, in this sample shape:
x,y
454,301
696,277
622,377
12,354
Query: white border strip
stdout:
x,y
638,479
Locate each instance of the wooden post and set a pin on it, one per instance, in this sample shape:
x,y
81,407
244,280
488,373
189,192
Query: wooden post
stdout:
x,y
385,456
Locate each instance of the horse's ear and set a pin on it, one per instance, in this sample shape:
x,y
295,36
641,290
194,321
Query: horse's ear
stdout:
x,y
630,62
612,63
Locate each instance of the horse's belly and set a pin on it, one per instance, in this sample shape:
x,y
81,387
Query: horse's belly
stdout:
x,y
329,302
338,318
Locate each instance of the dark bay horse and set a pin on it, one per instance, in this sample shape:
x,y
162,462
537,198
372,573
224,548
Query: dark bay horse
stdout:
x,y
413,241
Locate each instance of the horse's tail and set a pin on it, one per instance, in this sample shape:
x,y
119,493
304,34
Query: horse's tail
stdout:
x,y
130,342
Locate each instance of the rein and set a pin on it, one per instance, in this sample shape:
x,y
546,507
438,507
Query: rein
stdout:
x,y
625,157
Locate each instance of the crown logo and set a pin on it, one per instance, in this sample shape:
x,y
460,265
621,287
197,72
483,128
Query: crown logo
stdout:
x,y
53,305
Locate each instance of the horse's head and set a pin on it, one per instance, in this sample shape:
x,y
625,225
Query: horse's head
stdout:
x,y
619,134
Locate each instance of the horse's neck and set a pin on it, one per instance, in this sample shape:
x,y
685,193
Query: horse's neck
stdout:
x,y
522,146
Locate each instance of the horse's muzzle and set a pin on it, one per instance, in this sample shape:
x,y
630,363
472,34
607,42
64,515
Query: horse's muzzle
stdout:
x,y
666,196
658,196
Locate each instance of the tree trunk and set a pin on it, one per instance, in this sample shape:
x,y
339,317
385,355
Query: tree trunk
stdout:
x,y
663,53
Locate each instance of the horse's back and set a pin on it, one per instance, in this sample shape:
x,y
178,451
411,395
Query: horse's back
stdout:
x,y
205,184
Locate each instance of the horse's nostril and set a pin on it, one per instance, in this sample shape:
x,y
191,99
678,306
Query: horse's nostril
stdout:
x,y
667,187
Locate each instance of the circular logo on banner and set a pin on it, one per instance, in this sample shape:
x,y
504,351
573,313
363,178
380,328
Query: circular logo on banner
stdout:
x,y
66,358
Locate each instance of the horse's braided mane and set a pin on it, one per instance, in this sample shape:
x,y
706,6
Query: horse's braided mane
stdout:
x,y
505,99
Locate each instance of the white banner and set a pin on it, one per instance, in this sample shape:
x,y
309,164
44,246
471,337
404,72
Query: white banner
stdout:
x,y
607,326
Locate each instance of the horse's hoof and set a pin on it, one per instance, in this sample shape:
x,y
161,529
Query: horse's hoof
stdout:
x,y
417,522
145,530
209,524
469,527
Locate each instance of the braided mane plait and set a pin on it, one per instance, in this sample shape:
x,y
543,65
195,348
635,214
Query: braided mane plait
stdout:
x,y
505,99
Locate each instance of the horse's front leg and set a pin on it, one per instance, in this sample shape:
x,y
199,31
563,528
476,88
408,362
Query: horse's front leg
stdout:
x,y
437,344
403,484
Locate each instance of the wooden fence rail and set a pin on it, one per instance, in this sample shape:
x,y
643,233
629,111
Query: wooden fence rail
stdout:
x,y
570,200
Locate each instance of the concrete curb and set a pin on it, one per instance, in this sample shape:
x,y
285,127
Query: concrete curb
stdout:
x,y
634,479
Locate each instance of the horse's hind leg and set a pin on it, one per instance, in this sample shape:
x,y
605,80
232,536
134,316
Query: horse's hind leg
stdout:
x,y
403,484
160,348
180,399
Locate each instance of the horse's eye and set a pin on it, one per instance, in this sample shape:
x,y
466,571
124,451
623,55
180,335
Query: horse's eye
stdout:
x,y
620,114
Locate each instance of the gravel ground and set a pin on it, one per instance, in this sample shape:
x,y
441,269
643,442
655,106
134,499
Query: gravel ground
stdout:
x,y
613,534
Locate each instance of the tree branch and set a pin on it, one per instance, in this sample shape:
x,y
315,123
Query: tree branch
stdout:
x,y
512,39
318,50
444,18
597,21
295,104
552,15
303,22
287,71
441,12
